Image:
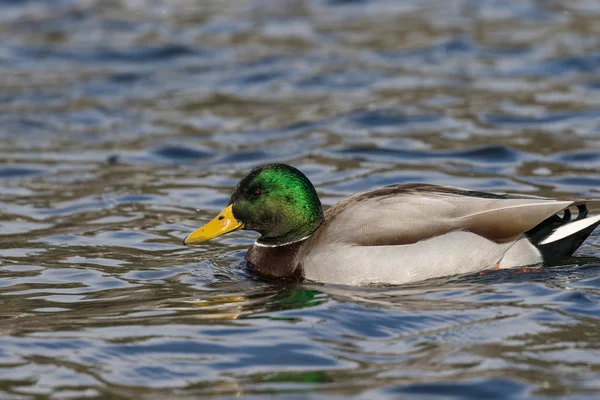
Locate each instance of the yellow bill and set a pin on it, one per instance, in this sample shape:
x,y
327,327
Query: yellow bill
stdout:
x,y
223,223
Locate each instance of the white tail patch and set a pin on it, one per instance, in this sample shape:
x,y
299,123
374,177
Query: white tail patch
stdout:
x,y
570,229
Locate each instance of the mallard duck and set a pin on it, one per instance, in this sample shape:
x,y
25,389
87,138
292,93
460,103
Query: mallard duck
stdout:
x,y
395,234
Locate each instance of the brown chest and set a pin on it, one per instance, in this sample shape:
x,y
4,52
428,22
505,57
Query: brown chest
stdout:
x,y
277,261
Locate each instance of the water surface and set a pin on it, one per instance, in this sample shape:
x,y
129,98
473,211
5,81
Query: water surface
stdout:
x,y
124,125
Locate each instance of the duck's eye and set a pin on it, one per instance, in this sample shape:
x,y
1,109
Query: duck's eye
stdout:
x,y
256,193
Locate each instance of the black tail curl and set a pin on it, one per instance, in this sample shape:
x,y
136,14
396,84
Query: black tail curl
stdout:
x,y
564,247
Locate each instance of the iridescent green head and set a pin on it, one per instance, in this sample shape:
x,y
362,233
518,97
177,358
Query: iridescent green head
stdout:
x,y
276,200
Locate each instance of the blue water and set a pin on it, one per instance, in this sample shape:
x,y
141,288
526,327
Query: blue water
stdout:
x,y
124,125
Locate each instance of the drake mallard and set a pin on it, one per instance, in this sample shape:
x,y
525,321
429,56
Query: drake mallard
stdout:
x,y
394,234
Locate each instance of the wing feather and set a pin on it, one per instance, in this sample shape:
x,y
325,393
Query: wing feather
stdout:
x,y
404,214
